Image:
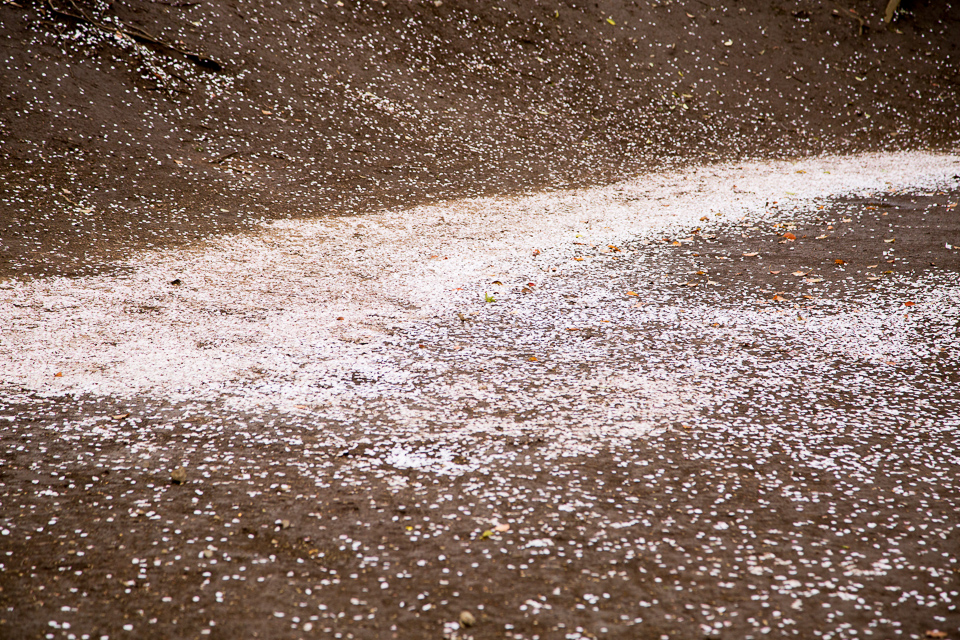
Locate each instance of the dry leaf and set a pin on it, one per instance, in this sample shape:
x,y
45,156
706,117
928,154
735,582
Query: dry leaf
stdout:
x,y
533,358
839,261
813,280
776,273
934,633
120,416
789,236
631,293
799,273
751,255
779,298
889,240
502,528
909,304
821,237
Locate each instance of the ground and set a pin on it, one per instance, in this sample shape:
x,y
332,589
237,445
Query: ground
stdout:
x,y
588,319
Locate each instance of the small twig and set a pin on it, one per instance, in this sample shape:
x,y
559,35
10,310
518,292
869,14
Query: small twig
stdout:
x,y
853,16
136,34
892,7
175,3
225,156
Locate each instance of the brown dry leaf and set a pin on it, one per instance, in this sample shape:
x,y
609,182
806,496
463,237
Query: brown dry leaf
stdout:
x,y
265,112
873,278
935,633
872,266
909,304
822,237
704,219
776,273
839,261
889,240
799,274
533,358
120,416
675,243
631,293
779,298
813,280
579,259
789,236
751,254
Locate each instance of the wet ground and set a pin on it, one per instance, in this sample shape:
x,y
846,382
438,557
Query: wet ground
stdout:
x,y
115,139
746,429
314,321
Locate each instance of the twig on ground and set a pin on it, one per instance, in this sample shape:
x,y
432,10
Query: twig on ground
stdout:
x,y
137,34
892,7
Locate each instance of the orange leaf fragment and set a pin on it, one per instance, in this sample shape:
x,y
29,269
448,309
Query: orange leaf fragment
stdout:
x,y
533,358
58,374
839,261
631,293
909,304
789,236
502,528
799,273
751,255
779,298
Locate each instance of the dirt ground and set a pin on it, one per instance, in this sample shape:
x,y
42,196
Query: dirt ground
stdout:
x,y
791,376
112,143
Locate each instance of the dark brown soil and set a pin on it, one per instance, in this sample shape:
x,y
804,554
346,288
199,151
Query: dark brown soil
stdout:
x,y
114,142
321,109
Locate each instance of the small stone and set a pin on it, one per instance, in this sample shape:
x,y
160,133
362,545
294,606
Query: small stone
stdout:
x,y
467,619
178,475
